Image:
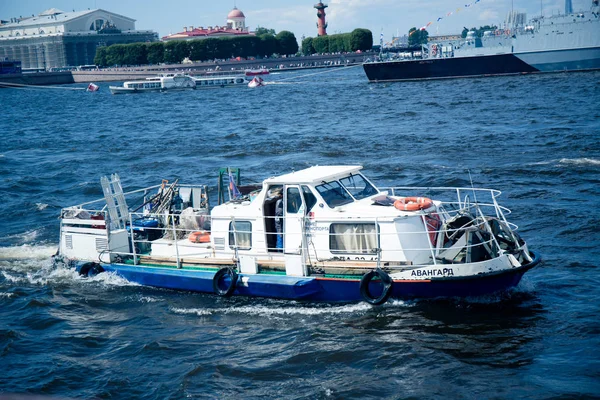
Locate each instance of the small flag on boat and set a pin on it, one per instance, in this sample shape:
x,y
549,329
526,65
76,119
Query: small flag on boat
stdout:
x,y
93,87
233,190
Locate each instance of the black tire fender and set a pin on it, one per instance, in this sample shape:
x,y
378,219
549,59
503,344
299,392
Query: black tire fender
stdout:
x,y
222,273
385,293
90,269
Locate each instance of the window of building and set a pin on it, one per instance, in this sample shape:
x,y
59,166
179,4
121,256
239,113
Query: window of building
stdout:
x,y
359,238
97,25
240,234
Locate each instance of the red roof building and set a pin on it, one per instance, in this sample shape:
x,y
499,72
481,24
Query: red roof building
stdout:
x,y
236,26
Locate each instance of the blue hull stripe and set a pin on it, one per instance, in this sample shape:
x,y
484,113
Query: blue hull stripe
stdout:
x,y
320,289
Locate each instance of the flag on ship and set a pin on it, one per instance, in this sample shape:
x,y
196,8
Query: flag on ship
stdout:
x,y
233,190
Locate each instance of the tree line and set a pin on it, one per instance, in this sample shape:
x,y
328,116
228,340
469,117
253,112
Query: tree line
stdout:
x,y
264,44
358,39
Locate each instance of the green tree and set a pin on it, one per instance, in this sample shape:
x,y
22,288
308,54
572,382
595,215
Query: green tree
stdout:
x,y
417,37
286,43
156,52
135,54
198,50
307,46
115,54
176,51
212,48
248,46
361,39
321,44
336,43
264,31
100,58
226,47
267,46
464,32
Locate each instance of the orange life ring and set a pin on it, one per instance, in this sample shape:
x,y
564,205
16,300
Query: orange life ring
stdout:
x,y
199,237
413,203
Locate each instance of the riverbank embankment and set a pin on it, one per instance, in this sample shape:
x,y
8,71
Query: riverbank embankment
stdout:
x,y
197,68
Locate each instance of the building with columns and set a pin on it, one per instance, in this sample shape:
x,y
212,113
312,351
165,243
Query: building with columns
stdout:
x,y
235,26
55,38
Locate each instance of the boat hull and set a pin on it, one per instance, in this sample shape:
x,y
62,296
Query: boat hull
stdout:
x,y
320,289
124,90
484,65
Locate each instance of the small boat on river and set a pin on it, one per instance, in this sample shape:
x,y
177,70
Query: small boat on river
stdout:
x,y
159,83
257,81
325,233
255,72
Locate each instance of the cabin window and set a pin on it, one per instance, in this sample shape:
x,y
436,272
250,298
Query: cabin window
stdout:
x,y
309,198
334,194
358,186
240,234
294,201
353,238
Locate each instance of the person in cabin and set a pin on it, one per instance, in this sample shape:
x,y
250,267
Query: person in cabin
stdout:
x,y
278,193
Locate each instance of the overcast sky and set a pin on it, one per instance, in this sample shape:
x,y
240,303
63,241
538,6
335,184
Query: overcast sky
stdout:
x,y
299,16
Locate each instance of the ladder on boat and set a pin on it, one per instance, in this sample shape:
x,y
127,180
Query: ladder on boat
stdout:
x,y
115,201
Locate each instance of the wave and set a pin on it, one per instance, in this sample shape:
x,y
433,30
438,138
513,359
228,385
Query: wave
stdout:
x,y
145,299
279,311
41,206
579,161
27,251
61,275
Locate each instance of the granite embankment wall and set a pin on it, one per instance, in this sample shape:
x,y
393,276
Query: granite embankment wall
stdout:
x,y
132,73
38,78
283,64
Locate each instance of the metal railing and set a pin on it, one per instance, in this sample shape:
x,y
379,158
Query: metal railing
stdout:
x,y
314,245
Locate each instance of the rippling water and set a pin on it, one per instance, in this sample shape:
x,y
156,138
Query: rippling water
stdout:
x,y
536,138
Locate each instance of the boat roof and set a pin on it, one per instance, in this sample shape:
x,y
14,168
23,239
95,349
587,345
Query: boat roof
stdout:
x,y
315,175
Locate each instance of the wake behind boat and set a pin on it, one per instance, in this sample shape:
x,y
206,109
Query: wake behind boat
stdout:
x,y
325,233
569,42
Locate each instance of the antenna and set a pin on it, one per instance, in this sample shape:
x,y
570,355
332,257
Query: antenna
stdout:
x,y
472,187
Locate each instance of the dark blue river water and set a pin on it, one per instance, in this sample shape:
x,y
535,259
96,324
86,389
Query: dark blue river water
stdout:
x,y
536,138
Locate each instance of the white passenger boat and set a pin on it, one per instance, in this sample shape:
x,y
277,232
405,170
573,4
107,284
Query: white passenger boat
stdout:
x,y
159,83
325,233
219,81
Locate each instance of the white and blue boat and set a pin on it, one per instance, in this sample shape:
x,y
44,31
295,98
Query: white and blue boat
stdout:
x,y
341,239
